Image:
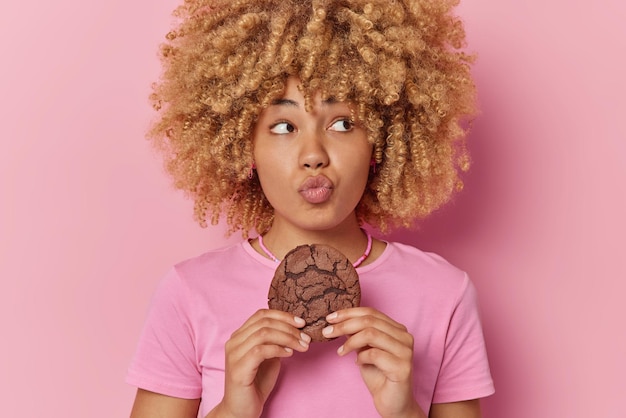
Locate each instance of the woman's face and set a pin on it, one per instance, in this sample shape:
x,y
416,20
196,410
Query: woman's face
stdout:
x,y
313,166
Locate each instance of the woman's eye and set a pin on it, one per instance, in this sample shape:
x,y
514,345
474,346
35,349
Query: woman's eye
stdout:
x,y
282,128
342,125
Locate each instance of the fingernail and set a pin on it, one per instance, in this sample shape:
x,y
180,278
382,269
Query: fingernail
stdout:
x,y
331,316
299,321
289,350
340,350
305,338
327,331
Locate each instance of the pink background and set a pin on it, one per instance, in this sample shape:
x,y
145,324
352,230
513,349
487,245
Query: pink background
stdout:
x,y
89,223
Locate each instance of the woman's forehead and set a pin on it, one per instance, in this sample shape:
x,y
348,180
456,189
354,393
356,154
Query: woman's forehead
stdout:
x,y
294,96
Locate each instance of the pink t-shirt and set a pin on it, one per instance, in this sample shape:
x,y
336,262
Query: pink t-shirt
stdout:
x,y
203,300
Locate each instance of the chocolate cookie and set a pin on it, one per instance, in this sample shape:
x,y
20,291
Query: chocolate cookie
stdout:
x,y
313,281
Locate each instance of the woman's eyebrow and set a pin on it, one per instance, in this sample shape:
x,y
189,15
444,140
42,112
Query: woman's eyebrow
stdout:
x,y
285,102
293,103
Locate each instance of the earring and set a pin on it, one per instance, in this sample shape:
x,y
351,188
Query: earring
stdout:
x,y
251,171
373,165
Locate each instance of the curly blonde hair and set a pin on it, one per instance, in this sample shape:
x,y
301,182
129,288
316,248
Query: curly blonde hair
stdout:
x,y
398,62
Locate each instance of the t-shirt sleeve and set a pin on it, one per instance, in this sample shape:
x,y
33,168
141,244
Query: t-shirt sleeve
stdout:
x,y
165,360
464,373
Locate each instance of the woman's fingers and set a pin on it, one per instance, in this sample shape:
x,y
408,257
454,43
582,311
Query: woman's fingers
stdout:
x,y
271,327
363,313
271,333
264,336
377,339
268,315
370,327
399,345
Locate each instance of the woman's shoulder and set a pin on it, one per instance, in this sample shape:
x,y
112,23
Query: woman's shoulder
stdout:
x,y
219,271
408,260
211,256
398,252
215,262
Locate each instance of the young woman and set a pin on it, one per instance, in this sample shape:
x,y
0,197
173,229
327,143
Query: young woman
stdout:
x,y
304,121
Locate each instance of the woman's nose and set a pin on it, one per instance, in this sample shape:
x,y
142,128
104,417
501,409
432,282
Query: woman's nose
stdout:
x,y
313,154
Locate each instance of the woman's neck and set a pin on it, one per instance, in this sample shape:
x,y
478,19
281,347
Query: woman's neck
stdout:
x,y
350,239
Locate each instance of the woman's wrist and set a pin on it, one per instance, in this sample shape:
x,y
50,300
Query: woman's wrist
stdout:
x,y
413,412
220,411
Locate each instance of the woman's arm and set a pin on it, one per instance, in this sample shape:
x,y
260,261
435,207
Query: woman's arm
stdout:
x,y
465,409
154,405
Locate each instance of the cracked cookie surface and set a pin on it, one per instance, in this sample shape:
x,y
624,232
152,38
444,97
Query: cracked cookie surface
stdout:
x,y
313,281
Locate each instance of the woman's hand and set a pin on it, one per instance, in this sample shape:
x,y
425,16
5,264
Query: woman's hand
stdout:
x,y
384,355
253,361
